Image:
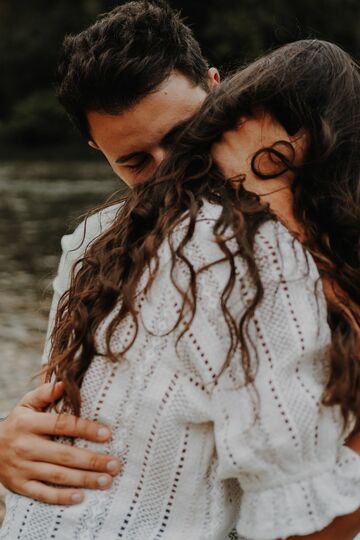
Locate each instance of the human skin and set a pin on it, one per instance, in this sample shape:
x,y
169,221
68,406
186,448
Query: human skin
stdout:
x,y
234,152
140,135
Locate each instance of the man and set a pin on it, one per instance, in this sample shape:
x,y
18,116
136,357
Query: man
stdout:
x,y
127,82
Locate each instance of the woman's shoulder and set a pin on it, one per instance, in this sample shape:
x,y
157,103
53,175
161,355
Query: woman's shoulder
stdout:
x,y
276,250
280,254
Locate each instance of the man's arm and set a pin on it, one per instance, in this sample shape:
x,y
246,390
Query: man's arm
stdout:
x,y
29,458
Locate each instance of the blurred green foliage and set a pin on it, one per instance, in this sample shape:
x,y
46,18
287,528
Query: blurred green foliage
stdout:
x,y
230,32
34,119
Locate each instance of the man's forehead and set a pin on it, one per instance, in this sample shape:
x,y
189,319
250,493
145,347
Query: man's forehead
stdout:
x,y
141,137
139,133
151,119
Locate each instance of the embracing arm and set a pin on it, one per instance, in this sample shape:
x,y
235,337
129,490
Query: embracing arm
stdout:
x,y
30,459
29,456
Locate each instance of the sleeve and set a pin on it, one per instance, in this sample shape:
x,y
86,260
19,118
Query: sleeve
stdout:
x,y
276,438
73,248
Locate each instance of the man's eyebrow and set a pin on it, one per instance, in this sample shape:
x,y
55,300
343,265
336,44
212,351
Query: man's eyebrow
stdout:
x,y
128,157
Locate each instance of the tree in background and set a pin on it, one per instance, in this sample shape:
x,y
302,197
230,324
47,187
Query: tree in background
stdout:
x,y
233,31
31,32
230,32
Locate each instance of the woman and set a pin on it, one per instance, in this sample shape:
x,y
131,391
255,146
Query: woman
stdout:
x,y
197,326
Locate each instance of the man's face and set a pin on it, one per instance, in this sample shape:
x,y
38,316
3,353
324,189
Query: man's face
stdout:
x,y
135,141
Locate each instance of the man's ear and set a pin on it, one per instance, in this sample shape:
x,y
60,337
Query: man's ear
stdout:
x,y
93,145
213,77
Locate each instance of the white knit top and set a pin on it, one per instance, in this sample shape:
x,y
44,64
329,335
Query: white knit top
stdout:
x,y
197,466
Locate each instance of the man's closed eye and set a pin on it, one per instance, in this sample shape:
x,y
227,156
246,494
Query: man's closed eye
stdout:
x,y
139,165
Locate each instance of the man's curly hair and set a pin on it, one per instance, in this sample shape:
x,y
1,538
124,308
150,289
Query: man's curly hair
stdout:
x,y
124,56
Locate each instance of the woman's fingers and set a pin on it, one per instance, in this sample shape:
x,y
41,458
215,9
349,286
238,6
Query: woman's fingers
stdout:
x,y
50,495
51,452
63,476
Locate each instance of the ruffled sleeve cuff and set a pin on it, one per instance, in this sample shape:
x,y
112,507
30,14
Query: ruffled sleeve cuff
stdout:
x,y
302,507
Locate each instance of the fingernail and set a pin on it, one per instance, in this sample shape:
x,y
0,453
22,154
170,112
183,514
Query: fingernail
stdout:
x,y
112,465
77,497
103,433
102,481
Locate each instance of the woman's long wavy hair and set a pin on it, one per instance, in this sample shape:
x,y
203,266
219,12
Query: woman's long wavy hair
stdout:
x,y
310,84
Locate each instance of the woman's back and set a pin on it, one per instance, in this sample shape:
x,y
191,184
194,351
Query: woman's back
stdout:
x,y
196,462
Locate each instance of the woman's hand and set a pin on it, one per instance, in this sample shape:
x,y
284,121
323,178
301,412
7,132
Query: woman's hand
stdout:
x,y
29,458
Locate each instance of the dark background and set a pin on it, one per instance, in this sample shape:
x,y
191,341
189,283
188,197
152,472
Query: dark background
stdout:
x,y
230,32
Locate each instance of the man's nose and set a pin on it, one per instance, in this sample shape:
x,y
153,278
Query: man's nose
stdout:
x,y
159,154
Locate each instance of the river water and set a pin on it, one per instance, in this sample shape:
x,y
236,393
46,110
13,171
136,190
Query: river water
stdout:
x,y
39,202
